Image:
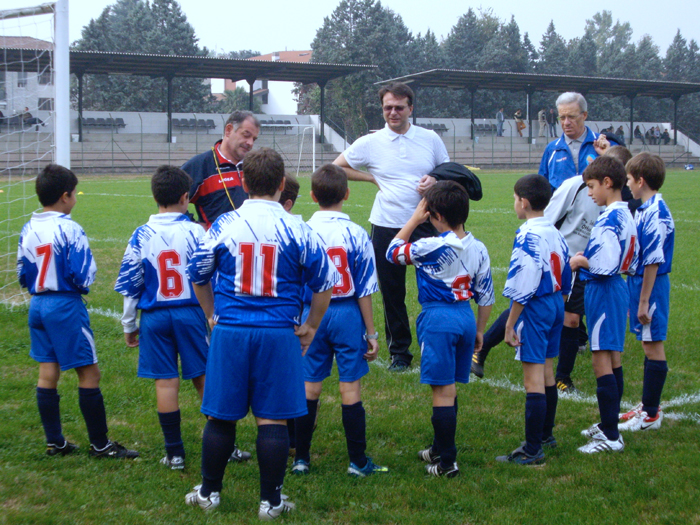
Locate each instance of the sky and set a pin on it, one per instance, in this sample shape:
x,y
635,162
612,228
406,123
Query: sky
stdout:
x,y
278,25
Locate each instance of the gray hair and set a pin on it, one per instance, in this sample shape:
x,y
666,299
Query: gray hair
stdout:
x,y
571,97
238,117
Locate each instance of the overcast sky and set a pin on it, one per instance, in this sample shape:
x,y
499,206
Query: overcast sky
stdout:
x,y
276,25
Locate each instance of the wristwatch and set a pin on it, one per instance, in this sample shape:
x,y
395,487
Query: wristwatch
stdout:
x,y
367,337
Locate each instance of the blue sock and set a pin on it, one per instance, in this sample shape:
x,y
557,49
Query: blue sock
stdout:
x,y
291,430
535,413
273,449
609,405
654,379
92,406
170,425
568,348
48,401
304,429
620,380
551,394
456,406
355,428
445,426
494,336
218,442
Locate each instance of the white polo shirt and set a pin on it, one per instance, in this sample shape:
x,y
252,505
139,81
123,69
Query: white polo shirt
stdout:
x,y
397,162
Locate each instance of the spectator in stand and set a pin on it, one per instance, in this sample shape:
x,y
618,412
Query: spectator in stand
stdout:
x,y
649,136
29,120
552,122
519,124
657,135
620,132
666,137
500,118
638,134
542,119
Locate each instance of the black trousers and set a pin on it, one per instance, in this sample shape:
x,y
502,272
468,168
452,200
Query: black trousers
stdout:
x,y
392,284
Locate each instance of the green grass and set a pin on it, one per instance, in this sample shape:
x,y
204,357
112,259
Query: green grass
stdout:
x,y
655,480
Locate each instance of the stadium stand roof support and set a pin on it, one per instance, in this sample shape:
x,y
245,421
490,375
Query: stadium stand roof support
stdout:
x,y
531,83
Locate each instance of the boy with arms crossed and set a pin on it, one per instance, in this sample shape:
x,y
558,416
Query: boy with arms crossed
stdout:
x,y
450,269
55,264
153,279
347,330
538,278
263,257
611,251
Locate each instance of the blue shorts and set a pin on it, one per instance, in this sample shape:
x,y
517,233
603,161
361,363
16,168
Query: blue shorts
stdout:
x,y
167,332
539,328
257,368
340,334
446,333
659,302
607,302
59,328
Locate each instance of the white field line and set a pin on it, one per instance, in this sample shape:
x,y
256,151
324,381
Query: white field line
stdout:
x,y
688,287
90,194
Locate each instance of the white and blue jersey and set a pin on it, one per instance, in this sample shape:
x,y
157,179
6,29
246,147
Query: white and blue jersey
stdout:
x,y
448,269
263,257
539,262
656,234
54,255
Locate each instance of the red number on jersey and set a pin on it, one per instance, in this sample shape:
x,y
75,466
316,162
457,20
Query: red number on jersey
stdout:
x,y
169,278
555,265
268,269
339,256
45,252
461,288
629,256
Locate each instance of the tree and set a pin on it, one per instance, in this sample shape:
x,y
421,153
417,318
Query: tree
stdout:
x,y
239,99
554,55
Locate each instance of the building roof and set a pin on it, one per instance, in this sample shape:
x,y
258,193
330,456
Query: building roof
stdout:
x,y
286,56
24,42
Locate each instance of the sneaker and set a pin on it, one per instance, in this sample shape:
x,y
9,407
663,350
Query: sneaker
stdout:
x,y
195,499
113,450
601,443
477,368
582,349
591,431
369,469
632,413
550,442
436,470
67,448
239,456
521,457
268,513
398,366
429,456
566,386
300,467
175,462
642,422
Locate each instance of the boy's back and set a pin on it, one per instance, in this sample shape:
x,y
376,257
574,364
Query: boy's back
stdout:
x,y
656,234
612,248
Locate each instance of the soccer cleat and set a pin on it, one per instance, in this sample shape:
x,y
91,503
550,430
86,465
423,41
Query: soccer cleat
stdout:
x,y
632,413
268,513
55,450
436,470
477,367
550,442
566,386
175,462
521,457
601,443
642,422
113,450
582,349
195,499
591,431
429,456
398,366
300,467
369,469
239,456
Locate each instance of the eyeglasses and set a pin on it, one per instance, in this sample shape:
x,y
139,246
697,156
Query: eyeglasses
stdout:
x,y
398,109
569,117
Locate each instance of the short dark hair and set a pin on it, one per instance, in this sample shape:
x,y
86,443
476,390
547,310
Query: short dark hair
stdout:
x,y
399,90
168,184
620,153
53,182
649,167
609,167
450,200
291,189
329,184
263,171
238,117
536,189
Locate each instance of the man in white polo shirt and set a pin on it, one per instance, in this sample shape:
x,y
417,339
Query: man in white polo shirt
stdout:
x,y
398,159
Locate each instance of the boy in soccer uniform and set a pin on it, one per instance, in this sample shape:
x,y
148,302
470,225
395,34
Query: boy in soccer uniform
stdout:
x,y
538,278
263,258
153,279
611,251
55,264
450,269
347,330
650,286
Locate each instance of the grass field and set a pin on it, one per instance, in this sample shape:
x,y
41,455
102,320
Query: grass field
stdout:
x,y
655,480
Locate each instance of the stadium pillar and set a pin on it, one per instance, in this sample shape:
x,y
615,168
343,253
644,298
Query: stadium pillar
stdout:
x,y
529,116
472,91
62,83
415,98
169,78
80,106
675,119
250,81
631,96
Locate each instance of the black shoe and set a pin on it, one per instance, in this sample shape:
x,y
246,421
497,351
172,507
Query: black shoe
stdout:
x,y
521,457
113,450
429,456
55,450
439,472
477,367
398,366
239,456
566,386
